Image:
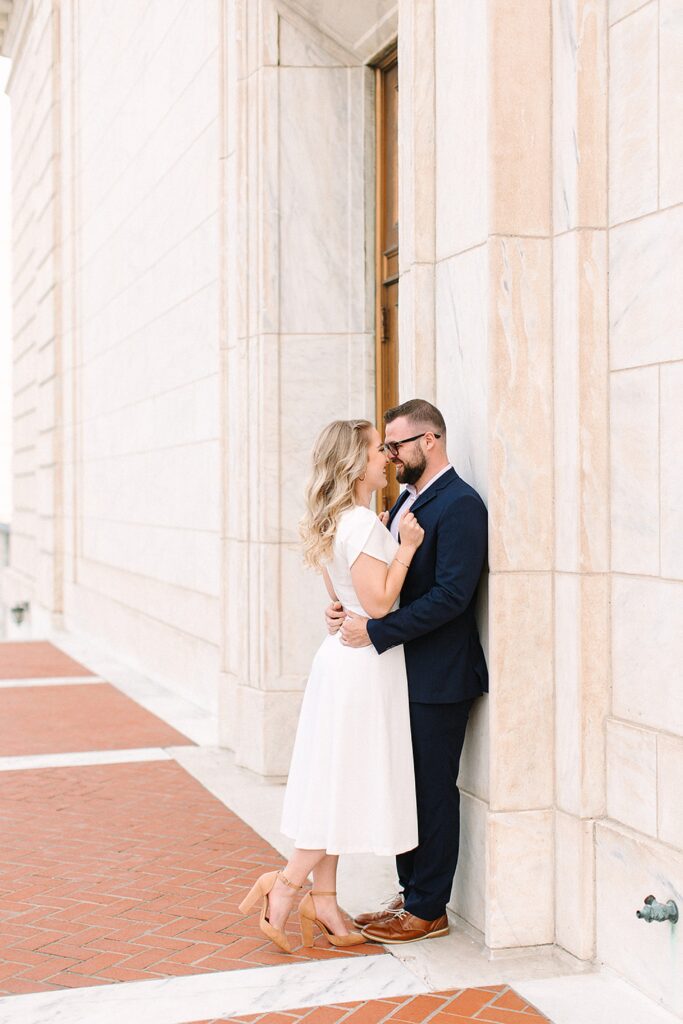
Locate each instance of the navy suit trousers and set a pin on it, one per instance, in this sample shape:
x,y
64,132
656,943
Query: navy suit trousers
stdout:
x,y
426,873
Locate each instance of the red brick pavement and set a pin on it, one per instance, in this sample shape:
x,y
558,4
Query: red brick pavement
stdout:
x,y
127,872
93,716
37,659
498,1005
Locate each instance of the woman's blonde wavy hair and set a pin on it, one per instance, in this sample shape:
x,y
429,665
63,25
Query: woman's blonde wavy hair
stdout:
x,y
340,457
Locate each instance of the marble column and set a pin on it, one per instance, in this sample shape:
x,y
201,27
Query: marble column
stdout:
x,y
581,432
520,828
298,347
417,199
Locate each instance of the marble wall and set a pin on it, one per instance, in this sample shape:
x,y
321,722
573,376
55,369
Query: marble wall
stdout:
x,y
638,849
36,568
122,461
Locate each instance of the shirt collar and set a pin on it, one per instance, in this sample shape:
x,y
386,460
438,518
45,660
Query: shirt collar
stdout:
x,y
413,492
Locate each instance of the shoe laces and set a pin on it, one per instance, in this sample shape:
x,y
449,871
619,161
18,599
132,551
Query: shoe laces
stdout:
x,y
387,903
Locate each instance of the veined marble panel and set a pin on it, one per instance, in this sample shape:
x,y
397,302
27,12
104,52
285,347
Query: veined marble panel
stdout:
x,y
519,88
416,333
182,557
646,268
416,154
266,727
575,885
301,44
582,691
520,399
521,699
634,451
671,460
461,126
647,652
520,872
630,866
619,9
50,681
580,394
322,378
322,170
462,360
87,757
579,114
633,116
224,994
670,102
187,664
669,803
632,776
593,999
476,755
468,898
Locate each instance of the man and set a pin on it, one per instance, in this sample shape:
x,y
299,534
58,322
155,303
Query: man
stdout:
x,y
444,660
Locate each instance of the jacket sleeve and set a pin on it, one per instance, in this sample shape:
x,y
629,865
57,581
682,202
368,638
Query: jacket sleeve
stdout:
x,y
460,555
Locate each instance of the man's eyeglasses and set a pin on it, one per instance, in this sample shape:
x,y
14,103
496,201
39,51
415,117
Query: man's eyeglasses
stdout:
x,y
393,446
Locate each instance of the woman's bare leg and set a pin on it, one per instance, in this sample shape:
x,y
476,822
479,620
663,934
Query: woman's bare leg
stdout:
x,y
281,897
326,907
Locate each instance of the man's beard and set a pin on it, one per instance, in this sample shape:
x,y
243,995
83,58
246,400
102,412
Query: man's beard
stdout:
x,y
410,474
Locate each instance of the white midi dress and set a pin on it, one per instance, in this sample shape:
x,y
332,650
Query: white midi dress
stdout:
x,y
351,786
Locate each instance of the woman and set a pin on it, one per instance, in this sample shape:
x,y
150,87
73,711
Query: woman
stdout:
x,y
351,785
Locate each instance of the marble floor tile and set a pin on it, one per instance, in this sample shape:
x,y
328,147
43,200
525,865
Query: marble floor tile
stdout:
x,y
85,757
597,999
224,994
50,681
460,960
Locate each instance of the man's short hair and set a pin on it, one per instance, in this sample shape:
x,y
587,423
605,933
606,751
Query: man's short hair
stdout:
x,y
420,412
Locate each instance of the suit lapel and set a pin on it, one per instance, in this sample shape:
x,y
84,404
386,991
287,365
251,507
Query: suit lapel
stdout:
x,y
431,492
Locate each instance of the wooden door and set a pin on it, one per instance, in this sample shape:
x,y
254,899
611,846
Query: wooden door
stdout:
x,y
386,332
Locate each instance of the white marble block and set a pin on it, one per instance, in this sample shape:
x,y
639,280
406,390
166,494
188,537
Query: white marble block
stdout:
x,y
671,461
575,885
634,450
633,116
520,873
468,899
632,776
645,270
582,691
669,778
520,400
521,698
670,102
647,652
461,126
630,867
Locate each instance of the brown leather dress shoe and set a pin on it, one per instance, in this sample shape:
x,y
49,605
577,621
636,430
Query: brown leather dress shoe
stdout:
x,y
391,907
405,927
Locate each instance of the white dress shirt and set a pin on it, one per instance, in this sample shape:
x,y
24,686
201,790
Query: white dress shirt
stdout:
x,y
414,494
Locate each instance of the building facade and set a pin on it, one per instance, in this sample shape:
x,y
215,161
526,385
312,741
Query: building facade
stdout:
x,y
203,223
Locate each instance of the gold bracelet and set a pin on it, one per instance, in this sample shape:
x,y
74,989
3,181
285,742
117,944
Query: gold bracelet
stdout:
x,y
405,564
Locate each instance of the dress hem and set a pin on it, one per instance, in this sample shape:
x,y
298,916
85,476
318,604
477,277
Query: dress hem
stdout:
x,y
378,851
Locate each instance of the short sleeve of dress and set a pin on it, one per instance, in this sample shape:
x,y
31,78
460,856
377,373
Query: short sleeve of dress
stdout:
x,y
366,535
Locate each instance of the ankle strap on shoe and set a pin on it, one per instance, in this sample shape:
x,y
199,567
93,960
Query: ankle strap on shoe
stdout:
x,y
319,892
283,878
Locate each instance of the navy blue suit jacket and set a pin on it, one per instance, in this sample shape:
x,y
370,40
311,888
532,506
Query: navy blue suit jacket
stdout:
x,y
435,621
